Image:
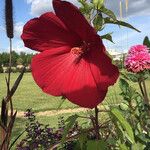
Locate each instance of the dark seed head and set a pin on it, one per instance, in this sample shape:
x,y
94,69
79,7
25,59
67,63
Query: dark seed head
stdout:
x,y
9,18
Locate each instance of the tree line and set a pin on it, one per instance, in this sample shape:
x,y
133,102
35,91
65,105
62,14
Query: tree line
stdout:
x,y
21,58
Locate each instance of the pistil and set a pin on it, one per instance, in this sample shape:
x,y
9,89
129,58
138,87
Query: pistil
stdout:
x,y
80,50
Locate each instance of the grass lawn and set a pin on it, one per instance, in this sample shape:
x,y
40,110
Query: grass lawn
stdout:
x,y
29,95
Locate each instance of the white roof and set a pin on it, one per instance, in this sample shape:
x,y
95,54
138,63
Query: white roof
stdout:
x,y
113,52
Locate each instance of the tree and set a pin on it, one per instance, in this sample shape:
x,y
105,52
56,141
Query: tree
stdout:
x,y
15,56
23,57
28,58
1,68
19,61
5,59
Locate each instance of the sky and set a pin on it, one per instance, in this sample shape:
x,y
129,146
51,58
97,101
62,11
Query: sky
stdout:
x,y
138,15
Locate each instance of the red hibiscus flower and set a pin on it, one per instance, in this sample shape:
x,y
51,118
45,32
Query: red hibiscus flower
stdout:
x,y
72,62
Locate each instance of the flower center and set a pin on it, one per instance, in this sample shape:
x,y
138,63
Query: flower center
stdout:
x,y
81,49
77,51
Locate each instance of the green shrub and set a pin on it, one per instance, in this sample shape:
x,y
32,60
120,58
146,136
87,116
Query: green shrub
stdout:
x,y
1,69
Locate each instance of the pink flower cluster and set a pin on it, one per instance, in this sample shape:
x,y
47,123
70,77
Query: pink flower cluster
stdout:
x,y
138,59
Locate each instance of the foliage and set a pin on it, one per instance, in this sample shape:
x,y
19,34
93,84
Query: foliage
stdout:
x,y
128,127
118,63
19,61
135,111
1,68
6,121
39,136
68,136
146,42
17,58
100,16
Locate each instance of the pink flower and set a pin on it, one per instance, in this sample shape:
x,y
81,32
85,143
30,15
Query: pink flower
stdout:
x,y
138,59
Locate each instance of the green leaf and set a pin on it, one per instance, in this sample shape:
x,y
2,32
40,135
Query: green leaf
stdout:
x,y
124,86
132,93
82,140
70,122
143,138
61,102
121,23
123,122
98,22
146,41
120,131
76,146
16,139
138,146
123,106
132,77
86,7
96,145
107,37
123,147
112,141
98,3
108,12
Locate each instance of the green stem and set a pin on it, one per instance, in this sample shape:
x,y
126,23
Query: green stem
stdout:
x,y
10,63
143,89
97,123
140,85
145,93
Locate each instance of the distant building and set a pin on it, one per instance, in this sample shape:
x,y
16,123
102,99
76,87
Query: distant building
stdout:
x,y
116,55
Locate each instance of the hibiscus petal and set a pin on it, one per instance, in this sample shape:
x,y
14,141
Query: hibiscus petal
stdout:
x,y
47,32
48,69
80,87
104,72
61,74
73,19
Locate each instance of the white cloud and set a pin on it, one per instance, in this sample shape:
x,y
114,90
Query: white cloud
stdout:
x,y
18,27
137,4
41,6
29,1
136,7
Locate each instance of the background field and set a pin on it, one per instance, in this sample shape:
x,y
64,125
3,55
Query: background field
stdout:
x,y
29,95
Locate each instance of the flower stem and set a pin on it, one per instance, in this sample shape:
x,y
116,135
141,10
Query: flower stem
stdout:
x,y
140,85
97,123
143,89
10,63
9,74
145,93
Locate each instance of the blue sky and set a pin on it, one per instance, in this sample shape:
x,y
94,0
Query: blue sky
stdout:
x,y
138,15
